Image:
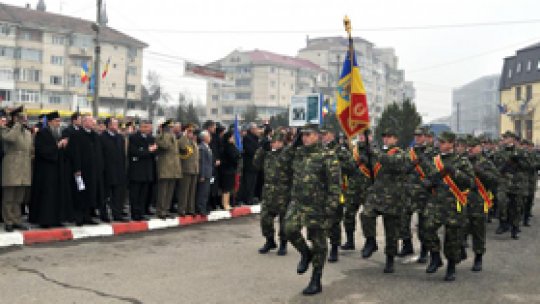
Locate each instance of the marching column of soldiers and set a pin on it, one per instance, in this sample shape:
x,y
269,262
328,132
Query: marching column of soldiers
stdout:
x,y
320,182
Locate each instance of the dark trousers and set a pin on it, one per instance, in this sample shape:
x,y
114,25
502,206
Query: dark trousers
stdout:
x,y
138,196
203,193
115,199
249,181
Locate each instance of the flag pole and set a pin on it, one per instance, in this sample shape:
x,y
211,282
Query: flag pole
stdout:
x,y
348,29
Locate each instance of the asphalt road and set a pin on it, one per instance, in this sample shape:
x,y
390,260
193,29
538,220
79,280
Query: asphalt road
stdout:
x,y
219,263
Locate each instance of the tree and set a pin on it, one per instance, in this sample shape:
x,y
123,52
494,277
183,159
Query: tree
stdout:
x,y
191,114
187,112
251,114
152,93
404,119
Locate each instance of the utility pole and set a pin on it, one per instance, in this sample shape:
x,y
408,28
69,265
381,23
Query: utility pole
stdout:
x,y
97,74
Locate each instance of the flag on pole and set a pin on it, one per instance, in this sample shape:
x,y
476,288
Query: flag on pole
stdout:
x,y
106,69
352,108
237,137
84,73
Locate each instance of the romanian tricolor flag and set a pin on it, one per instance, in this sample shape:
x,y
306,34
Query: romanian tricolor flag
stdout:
x,y
352,108
84,73
106,69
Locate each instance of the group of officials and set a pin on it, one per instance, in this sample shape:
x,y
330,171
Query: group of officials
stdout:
x,y
91,170
459,183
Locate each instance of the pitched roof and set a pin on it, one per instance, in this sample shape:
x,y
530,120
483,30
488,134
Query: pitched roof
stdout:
x,y
258,56
35,19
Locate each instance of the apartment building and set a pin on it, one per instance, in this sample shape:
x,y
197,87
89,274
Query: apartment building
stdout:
x,y
41,58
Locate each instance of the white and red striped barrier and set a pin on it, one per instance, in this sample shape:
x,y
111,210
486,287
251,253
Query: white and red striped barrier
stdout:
x,y
19,238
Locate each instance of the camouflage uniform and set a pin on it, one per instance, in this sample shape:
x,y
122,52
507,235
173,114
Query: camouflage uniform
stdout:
x,y
274,198
315,190
441,209
533,180
487,174
385,196
356,195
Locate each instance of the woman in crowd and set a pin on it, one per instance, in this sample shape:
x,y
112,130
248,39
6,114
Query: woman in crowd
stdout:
x,y
230,159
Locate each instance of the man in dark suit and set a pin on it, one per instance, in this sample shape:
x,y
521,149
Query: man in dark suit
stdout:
x,y
114,152
84,149
206,166
250,144
141,150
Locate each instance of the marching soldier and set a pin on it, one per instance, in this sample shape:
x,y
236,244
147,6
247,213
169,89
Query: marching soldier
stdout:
x,y
480,199
533,180
448,177
384,197
315,193
274,198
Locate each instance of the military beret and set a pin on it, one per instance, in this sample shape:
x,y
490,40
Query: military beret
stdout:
x,y
447,136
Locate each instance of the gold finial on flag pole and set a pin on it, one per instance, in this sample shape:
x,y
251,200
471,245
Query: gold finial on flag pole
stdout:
x,y
347,24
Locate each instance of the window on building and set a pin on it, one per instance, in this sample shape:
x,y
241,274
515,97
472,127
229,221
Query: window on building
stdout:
x,y
57,60
517,127
529,129
114,65
60,40
243,96
518,68
272,69
6,74
214,111
215,85
27,96
56,80
113,85
228,110
529,66
29,75
28,54
4,29
292,87
273,83
518,93
5,95
132,70
74,80
6,52
215,97
25,35
510,71
131,87
132,53
228,96
528,92
243,82
55,99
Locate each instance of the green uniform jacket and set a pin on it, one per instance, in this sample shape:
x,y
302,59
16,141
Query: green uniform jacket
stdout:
x,y
513,163
16,164
168,162
275,183
488,175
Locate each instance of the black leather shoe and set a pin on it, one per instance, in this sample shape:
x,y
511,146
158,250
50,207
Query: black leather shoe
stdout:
x,y
314,286
269,245
349,245
120,219
477,266
450,271
9,228
435,262
90,222
389,267
369,247
105,219
282,248
333,255
305,259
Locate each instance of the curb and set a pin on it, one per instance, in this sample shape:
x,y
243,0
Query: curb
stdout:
x,y
39,236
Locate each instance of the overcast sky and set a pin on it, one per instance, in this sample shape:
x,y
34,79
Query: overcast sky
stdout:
x,y
436,59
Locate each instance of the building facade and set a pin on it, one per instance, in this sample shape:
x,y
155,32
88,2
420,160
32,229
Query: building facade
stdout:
x,y
520,93
383,80
41,59
475,107
262,79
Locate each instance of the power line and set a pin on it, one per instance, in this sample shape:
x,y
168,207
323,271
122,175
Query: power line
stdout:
x,y
372,29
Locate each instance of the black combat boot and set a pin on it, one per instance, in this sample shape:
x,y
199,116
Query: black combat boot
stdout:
x,y
526,218
333,256
369,247
477,266
503,227
269,245
349,245
514,233
389,267
305,259
314,286
450,271
435,263
407,248
463,253
422,259
282,248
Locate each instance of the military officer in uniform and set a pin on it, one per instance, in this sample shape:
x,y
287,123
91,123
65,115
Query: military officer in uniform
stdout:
x,y
385,196
314,194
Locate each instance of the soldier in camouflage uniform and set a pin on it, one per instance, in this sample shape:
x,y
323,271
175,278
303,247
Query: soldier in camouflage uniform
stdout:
x,y
480,199
356,192
533,180
513,164
384,197
315,190
488,151
274,199
446,172
348,169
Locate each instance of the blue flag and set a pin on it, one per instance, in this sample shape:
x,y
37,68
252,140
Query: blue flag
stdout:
x,y
237,137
